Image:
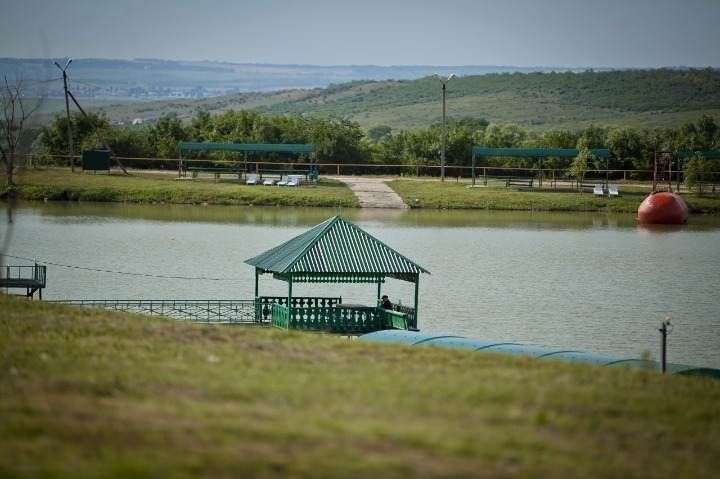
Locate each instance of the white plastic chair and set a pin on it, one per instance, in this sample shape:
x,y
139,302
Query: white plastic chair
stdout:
x,y
283,181
598,190
269,182
252,179
294,181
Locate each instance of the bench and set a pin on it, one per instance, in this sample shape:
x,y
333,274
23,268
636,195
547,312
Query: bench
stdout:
x,y
286,172
587,186
312,175
216,171
519,182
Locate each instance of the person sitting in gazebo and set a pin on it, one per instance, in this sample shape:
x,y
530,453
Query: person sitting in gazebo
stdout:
x,y
386,304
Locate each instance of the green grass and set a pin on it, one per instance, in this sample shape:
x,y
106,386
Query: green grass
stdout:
x,y
60,184
88,393
451,195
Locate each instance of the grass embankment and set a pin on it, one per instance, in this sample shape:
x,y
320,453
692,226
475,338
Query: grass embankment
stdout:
x,y
61,184
97,394
451,195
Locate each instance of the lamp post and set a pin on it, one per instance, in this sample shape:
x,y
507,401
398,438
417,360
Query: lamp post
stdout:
x,y
666,328
442,138
67,112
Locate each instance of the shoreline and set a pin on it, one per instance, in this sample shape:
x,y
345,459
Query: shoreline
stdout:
x,y
59,185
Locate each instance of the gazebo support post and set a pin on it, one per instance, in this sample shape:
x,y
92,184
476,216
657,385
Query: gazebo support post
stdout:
x,y
257,283
417,288
379,292
473,169
540,173
289,301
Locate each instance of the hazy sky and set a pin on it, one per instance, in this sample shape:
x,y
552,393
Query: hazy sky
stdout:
x,y
616,33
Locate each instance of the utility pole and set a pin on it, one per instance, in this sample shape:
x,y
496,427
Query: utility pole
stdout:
x,y
665,330
97,132
71,151
69,96
443,136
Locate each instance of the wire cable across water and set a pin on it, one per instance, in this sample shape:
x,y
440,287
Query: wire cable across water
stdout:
x,y
126,273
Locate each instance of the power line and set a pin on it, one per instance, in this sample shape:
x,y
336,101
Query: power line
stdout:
x,y
127,273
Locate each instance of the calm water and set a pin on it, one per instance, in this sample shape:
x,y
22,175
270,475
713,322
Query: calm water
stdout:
x,y
594,282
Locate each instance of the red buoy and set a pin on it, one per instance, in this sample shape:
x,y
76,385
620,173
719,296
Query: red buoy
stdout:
x,y
663,208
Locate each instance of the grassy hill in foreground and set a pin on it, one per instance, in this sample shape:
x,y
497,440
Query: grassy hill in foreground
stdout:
x,y
642,98
96,394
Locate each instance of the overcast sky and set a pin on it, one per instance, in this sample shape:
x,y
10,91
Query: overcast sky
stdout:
x,y
614,33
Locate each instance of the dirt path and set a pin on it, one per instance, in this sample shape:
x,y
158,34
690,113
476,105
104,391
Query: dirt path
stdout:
x,y
372,192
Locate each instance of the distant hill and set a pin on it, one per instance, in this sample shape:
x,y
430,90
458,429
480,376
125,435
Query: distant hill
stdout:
x,y
641,98
148,78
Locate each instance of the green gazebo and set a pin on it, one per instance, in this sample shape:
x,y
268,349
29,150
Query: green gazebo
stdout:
x,y
335,251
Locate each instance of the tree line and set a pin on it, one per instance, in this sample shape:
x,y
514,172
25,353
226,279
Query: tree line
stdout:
x,y
345,142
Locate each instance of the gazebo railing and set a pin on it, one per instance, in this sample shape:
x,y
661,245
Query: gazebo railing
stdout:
x,y
280,316
338,319
263,304
398,320
407,311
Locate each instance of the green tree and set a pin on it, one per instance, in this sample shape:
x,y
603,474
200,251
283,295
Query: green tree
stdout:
x,y
165,135
579,165
338,141
390,149
697,171
377,133
557,139
129,142
85,133
592,137
504,136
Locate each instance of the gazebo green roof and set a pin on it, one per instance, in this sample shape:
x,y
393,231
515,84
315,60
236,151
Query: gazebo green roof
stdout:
x,y
336,251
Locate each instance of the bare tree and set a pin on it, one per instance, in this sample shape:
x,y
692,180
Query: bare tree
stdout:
x,y
15,113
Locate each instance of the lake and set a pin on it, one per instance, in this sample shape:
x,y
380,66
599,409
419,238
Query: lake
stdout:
x,y
593,282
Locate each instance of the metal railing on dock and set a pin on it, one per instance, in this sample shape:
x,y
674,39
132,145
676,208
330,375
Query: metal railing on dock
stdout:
x,y
202,311
307,313
32,278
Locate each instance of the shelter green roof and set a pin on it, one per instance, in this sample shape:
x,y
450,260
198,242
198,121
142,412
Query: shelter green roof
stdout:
x,y
536,152
336,247
262,147
708,155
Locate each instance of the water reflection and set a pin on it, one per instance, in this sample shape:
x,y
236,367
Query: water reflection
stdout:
x,y
653,229
74,212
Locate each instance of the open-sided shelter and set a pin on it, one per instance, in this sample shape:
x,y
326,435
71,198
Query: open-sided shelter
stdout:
x,y
307,149
335,251
484,152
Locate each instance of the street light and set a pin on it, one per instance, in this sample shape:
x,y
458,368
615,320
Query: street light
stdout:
x,y
443,139
666,328
67,112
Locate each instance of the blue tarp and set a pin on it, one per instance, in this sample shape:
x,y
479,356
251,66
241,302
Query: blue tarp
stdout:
x,y
541,352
